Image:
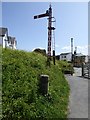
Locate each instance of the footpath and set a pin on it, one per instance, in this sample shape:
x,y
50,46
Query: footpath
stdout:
x,y
78,103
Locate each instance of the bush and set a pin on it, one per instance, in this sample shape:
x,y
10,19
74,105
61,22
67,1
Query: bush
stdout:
x,y
21,99
41,51
67,68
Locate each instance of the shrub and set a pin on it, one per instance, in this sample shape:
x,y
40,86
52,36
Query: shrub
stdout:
x,y
67,68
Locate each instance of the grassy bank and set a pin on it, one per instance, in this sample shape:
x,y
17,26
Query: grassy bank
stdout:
x,y
0,82
21,99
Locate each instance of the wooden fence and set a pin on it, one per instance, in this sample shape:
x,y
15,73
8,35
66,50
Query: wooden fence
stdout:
x,y
86,70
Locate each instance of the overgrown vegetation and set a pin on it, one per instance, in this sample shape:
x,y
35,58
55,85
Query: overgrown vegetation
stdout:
x,y
0,82
66,67
42,51
21,99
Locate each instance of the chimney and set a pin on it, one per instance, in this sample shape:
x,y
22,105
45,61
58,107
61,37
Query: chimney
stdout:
x,y
72,45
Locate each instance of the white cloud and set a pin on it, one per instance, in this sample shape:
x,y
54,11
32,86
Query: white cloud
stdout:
x,y
66,48
80,49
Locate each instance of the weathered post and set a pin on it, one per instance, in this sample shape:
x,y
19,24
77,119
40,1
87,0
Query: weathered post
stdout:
x,y
54,57
82,69
43,84
89,70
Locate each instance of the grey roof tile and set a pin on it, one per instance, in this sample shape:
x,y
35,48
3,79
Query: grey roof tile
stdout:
x,y
3,31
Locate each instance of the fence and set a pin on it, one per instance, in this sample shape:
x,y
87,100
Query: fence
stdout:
x,y
86,70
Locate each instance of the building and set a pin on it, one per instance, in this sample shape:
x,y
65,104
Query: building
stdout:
x,y
3,37
79,59
12,42
86,59
7,41
66,56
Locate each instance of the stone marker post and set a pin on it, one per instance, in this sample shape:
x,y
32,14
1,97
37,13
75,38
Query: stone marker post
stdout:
x,y
43,84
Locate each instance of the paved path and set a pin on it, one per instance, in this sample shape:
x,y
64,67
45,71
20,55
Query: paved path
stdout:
x,y
78,71
78,97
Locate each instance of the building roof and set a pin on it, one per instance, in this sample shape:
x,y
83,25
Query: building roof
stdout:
x,y
3,31
65,53
80,55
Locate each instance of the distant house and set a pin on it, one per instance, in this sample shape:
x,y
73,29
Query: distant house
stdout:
x,y
3,37
66,56
79,59
12,42
7,41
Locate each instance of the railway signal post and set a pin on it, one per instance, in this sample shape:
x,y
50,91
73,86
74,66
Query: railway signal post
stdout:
x,y
50,28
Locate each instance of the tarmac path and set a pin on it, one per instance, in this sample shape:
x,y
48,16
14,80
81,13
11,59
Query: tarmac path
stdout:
x,y
78,103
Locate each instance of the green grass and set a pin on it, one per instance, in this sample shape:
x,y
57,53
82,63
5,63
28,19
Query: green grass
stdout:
x,y
21,99
0,81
